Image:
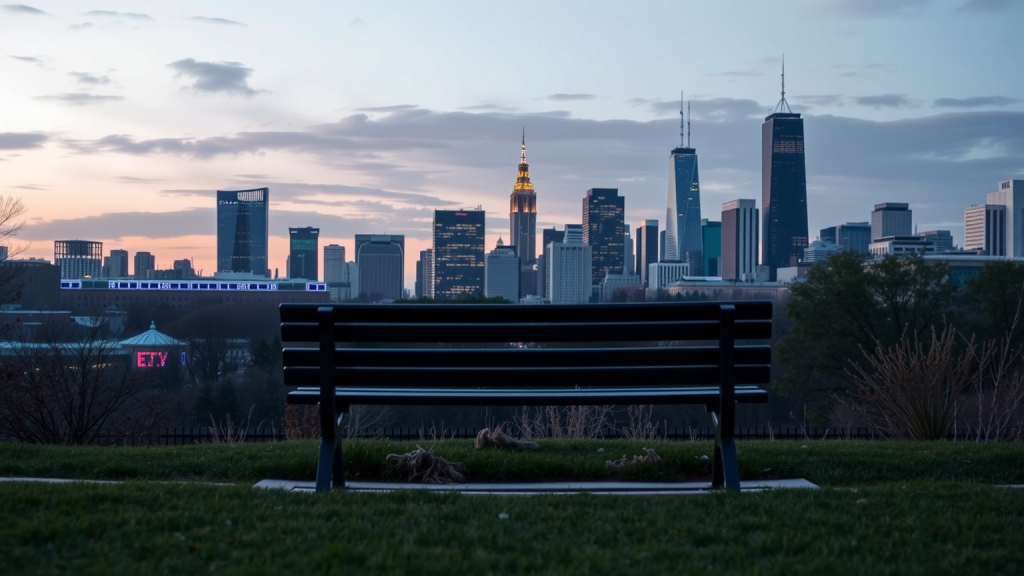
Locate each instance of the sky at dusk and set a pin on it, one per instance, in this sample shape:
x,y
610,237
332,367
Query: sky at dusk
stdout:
x,y
119,120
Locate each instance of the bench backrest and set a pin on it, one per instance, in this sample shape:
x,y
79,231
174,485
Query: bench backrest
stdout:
x,y
342,336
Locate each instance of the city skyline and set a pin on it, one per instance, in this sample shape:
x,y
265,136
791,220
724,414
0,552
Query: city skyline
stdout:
x,y
127,147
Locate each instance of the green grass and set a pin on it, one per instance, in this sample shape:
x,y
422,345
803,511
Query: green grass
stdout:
x,y
827,463
147,527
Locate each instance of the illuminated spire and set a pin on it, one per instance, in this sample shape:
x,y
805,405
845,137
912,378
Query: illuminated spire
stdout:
x,y
523,179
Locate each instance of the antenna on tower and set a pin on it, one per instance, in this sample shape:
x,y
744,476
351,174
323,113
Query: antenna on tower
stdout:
x,y
687,124
682,142
782,103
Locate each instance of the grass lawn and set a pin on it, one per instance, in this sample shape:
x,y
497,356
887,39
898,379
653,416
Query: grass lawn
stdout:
x,y
888,508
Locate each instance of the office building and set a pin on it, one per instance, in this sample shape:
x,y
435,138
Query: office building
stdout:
x,y
242,230
819,251
661,274
604,230
458,253
942,240
1011,195
341,277
424,286
381,262
78,258
646,247
523,213
116,265
627,283
334,258
891,219
683,236
855,236
629,259
783,187
304,253
985,229
184,268
144,264
739,240
548,235
501,273
569,268
900,246
711,234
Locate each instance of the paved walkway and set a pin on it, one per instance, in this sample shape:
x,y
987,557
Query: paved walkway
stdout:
x,y
528,488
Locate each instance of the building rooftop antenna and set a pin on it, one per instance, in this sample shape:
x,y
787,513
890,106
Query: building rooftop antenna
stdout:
x,y
782,103
687,124
681,120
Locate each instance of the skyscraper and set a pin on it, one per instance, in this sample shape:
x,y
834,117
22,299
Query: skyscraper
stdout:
x,y
604,229
501,273
739,240
78,258
783,187
711,232
569,265
334,258
646,247
303,258
458,253
1011,195
854,236
629,259
891,219
683,238
342,277
381,262
548,235
523,213
242,230
144,263
116,265
985,229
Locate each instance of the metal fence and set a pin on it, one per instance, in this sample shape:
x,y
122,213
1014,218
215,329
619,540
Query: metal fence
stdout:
x,y
200,435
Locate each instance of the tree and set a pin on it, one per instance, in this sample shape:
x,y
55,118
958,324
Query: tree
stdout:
x,y
64,389
997,292
847,304
12,212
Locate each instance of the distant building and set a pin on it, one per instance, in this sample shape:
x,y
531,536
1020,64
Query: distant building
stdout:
x,y
612,283
854,236
683,235
985,229
548,235
78,258
661,274
891,219
242,231
501,273
1011,195
458,253
900,246
628,259
381,262
783,188
116,265
942,240
819,251
711,232
304,253
569,268
604,229
646,247
739,240
30,283
144,262
523,213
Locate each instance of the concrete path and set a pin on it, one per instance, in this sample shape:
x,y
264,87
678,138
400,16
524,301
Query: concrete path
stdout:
x,y
529,488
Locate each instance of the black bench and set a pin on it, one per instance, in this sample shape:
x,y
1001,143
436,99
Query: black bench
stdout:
x,y
376,363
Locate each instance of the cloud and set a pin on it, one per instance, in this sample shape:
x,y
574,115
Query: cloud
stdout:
x,y
22,140
489,106
31,187
135,180
23,9
80,98
37,60
221,21
320,194
215,77
884,101
357,23
712,109
561,97
975,101
983,6
867,9
736,73
82,26
84,78
820,99
389,109
111,14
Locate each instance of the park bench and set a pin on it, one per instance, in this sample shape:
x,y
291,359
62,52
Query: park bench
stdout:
x,y
340,355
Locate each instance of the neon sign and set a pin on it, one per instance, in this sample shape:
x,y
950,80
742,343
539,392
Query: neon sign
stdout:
x,y
150,359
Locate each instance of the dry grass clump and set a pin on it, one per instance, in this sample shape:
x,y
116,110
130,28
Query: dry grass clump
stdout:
x,y
422,466
488,438
650,458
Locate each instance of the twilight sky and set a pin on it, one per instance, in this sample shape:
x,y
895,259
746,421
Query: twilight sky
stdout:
x,y
119,119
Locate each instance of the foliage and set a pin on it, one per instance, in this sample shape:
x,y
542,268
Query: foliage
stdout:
x,y
12,211
217,401
909,390
998,291
846,304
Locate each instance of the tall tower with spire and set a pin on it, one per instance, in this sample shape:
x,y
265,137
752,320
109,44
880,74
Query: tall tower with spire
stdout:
x,y
783,187
523,213
684,240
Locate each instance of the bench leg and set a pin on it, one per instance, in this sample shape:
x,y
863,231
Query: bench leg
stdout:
x,y
725,472
330,465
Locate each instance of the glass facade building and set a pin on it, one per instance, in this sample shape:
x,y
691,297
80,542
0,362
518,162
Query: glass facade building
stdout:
x,y
242,230
303,255
646,247
78,258
381,262
604,229
683,237
711,233
783,191
854,236
458,254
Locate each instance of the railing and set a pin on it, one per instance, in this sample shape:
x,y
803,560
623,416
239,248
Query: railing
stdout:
x,y
198,435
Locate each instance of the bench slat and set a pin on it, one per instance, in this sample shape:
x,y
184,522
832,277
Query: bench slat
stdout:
x,y
527,397
527,357
472,378
521,332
